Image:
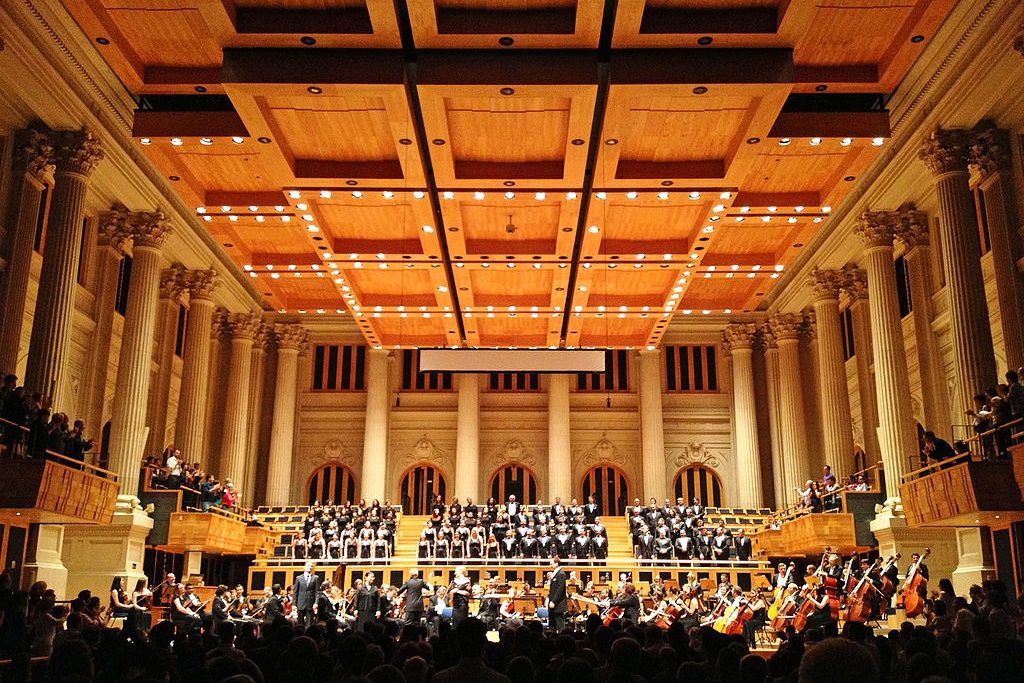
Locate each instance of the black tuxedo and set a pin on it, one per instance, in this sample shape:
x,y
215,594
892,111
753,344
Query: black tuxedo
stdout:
x,y
557,601
220,611
304,594
325,608
744,549
413,591
272,609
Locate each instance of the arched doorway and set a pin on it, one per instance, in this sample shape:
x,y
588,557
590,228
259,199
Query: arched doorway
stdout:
x,y
697,481
514,480
332,482
609,487
418,487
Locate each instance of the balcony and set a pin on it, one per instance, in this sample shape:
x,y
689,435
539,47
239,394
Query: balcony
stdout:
x,y
57,490
963,491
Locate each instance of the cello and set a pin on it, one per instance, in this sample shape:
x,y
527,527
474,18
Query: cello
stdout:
x,y
786,611
858,607
913,591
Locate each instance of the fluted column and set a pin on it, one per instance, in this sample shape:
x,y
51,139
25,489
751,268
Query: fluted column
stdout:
x,y
244,327
289,340
837,427
257,363
945,153
172,288
467,438
739,337
76,155
912,231
652,426
559,440
190,429
375,433
856,288
112,242
990,155
33,162
771,365
148,230
786,329
896,433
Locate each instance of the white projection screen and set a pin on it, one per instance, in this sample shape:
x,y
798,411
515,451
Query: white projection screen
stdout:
x,y
510,360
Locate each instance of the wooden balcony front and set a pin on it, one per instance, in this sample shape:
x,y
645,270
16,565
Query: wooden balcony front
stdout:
x,y
57,490
209,532
963,492
808,534
258,540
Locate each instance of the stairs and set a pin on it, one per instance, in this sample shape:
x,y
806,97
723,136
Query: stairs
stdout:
x,y
620,546
407,535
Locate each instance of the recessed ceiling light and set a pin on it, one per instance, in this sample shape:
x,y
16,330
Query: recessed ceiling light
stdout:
x,y
877,142
177,142
821,88
631,195
611,141
506,41
600,195
593,229
753,141
263,140
845,142
314,90
784,141
145,141
507,91
917,39
103,41
448,194
663,195
570,196
237,140
307,40
705,40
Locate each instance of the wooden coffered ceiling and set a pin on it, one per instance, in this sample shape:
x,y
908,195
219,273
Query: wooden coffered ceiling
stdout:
x,y
511,172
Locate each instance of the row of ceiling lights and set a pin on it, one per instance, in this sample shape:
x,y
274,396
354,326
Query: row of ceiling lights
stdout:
x,y
844,142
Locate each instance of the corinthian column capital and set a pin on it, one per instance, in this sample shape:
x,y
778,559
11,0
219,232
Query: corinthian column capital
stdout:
x,y
243,325
911,227
202,283
946,150
76,151
990,148
219,323
172,283
739,335
113,228
876,228
856,283
33,152
149,228
290,336
767,336
825,284
786,326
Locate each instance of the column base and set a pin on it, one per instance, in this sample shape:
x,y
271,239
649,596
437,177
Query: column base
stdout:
x,y
94,555
43,558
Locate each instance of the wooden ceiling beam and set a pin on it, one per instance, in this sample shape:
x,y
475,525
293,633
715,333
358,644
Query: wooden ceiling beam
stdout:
x,y
266,66
702,67
831,124
188,124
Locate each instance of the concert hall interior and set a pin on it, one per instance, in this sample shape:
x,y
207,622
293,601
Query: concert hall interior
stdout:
x,y
532,340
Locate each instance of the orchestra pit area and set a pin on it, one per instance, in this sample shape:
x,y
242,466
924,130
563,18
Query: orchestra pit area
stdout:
x,y
526,341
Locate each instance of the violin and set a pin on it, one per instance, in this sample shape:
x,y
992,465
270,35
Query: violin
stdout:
x,y
914,586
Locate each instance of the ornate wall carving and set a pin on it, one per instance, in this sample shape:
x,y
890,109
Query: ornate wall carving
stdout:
x,y
697,454
514,452
424,451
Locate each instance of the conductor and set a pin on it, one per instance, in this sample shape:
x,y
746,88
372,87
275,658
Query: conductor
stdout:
x,y
556,597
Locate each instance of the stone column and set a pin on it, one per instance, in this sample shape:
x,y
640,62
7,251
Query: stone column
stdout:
x,y
289,340
257,362
837,427
559,439
33,162
148,230
217,392
236,407
652,426
112,240
945,153
786,329
990,157
912,231
172,288
856,288
897,436
739,337
467,438
375,433
76,155
771,368
190,429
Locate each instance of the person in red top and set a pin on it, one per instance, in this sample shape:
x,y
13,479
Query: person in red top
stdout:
x,y
229,497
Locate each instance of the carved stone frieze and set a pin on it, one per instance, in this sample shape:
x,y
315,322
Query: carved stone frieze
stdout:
x,y
697,454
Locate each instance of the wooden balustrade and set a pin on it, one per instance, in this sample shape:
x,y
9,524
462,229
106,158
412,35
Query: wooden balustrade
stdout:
x,y
205,532
58,490
963,492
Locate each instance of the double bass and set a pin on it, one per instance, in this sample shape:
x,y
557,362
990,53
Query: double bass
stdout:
x,y
887,588
913,591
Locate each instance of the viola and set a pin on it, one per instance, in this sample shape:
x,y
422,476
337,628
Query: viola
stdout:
x,y
912,594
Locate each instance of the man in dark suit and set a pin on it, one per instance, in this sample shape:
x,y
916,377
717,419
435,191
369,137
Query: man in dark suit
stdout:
x,y
413,591
367,602
325,609
556,597
307,585
272,605
220,607
743,547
